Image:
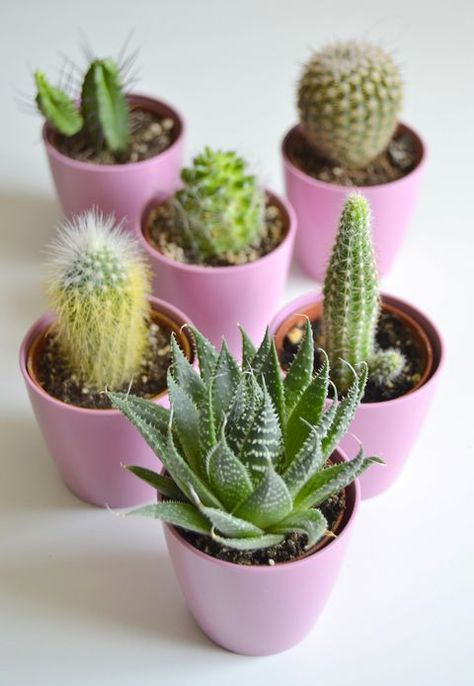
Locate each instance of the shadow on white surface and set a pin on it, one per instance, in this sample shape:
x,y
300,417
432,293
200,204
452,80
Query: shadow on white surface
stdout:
x,y
28,224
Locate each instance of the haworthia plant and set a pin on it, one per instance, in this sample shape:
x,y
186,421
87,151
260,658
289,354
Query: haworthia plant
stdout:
x,y
98,286
246,451
352,301
349,99
103,115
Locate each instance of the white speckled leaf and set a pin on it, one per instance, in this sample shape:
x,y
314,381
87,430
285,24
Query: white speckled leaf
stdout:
x,y
269,503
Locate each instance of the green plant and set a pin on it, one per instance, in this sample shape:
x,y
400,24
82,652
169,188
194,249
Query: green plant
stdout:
x,y
98,286
352,301
103,117
349,99
246,452
221,206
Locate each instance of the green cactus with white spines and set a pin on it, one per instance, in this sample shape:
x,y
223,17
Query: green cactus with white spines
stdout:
x,y
98,287
352,300
386,366
103,117
221,206
349,99
246,451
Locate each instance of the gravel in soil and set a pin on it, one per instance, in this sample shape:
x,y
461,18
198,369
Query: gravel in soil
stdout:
x,y
391,333
150,134
398,160
291,548
164,237
55,377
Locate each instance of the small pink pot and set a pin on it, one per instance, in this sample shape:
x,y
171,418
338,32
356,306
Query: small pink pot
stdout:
x,y
318,206
90,446
119,189
386,429
259,610
220,298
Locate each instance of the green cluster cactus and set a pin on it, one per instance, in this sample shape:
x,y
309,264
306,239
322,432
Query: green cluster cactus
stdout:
x,y
221,207
352,301
98,286
349,99
246,452
103,116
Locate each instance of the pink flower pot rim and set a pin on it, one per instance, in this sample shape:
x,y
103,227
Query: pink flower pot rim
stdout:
x,y
43,321
263,569
335,187
433,335
135,98
283,203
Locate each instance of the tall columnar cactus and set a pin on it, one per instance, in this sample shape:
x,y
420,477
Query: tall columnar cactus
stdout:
x,y
349,99
103,117
98,287
244,450
221,207
352,300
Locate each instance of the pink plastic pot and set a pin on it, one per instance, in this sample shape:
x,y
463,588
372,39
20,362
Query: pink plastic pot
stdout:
x,y
259,610
318,206
90,446
121,189
387,429
220,298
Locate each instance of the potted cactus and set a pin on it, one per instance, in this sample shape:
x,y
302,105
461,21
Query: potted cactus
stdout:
x,y
352,321
349,100
106,147
217,244
104,331
257,502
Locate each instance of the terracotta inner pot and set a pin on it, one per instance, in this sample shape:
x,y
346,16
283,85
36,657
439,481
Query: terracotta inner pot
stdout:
x,y
36,349
314,313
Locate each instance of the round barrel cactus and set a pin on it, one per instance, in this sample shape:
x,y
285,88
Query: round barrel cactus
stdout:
x,y
349,100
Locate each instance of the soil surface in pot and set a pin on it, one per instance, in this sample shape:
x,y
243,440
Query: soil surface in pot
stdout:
x,y
163,235
55,377
291,548
150,134
398,160
391,333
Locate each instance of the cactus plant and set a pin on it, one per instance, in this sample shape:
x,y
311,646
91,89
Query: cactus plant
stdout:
x,y
98,286
246,452
103,117
352,301
349,99
221,207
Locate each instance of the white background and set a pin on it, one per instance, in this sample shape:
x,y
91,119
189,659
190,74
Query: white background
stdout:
x,y
87,598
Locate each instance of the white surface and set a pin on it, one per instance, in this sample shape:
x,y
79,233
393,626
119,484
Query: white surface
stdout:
x,y
87,598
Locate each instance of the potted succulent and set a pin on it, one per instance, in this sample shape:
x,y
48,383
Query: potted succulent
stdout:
x,y
349,100
217,244
401,346
257,502
104,331
106,147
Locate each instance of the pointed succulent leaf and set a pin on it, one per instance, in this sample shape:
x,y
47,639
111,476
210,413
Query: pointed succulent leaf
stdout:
x,y
229,525
254,543
274,383
311,522
300,373
228,476
307,461
345,411
263,440
186,423
207,429
151,420
261,354
184,515
329,414
269,503
225,379
240,415
308,408
248,349
206,352
184,374
58,108
163,484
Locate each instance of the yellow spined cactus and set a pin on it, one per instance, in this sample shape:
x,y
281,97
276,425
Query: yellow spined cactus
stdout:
x,y
98,286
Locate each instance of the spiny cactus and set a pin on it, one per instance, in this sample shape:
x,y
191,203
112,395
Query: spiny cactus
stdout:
x,y
244,450
221,207
349,100
98,287
103,117
386,366
352,300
